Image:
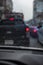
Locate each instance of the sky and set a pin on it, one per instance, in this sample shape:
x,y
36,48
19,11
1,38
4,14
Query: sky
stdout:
x,y
25,7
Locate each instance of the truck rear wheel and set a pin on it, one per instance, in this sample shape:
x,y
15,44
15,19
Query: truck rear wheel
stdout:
x,y
1,41
27,42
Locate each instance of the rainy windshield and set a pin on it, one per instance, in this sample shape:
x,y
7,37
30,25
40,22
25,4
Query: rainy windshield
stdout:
x,y
21,23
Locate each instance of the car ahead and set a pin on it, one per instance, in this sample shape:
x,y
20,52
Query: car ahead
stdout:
x,y
13,31
40,35
33,31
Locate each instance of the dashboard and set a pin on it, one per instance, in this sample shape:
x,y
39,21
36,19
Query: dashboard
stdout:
x,y
18,56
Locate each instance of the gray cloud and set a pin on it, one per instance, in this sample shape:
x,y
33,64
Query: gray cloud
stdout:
x,y
24,6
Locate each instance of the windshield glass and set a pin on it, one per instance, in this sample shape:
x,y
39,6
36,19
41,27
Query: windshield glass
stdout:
x,y
21,23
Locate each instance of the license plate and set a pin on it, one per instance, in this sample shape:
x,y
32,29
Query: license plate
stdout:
x,y
9,42
8,32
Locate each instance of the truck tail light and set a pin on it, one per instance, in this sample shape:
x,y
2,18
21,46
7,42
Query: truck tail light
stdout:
x,y
34,31
11,19
27,29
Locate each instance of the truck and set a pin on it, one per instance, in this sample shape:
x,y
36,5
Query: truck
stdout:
x,y
13,30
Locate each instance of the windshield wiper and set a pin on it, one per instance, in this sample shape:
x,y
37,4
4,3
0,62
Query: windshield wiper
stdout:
x,y
21,48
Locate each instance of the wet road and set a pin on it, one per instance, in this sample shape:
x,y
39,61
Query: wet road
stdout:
x,y
34,43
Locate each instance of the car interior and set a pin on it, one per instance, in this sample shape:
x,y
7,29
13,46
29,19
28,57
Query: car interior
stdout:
x,y
10,55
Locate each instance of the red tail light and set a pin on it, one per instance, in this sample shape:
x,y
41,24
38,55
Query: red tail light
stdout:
x,y
11,19
27,29
34,30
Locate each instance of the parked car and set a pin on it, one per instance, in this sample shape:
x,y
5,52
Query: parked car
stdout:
x,y
40,35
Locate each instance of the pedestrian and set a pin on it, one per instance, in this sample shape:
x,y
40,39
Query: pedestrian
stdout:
x,y
39,25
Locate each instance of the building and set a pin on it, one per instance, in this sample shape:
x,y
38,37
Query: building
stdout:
x,y
9,5
38,11
6,6
1,7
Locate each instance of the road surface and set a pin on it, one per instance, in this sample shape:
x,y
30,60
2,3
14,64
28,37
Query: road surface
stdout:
x,y
34,43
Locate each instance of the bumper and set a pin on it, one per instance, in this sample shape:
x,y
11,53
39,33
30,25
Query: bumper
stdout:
x,y
17,40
